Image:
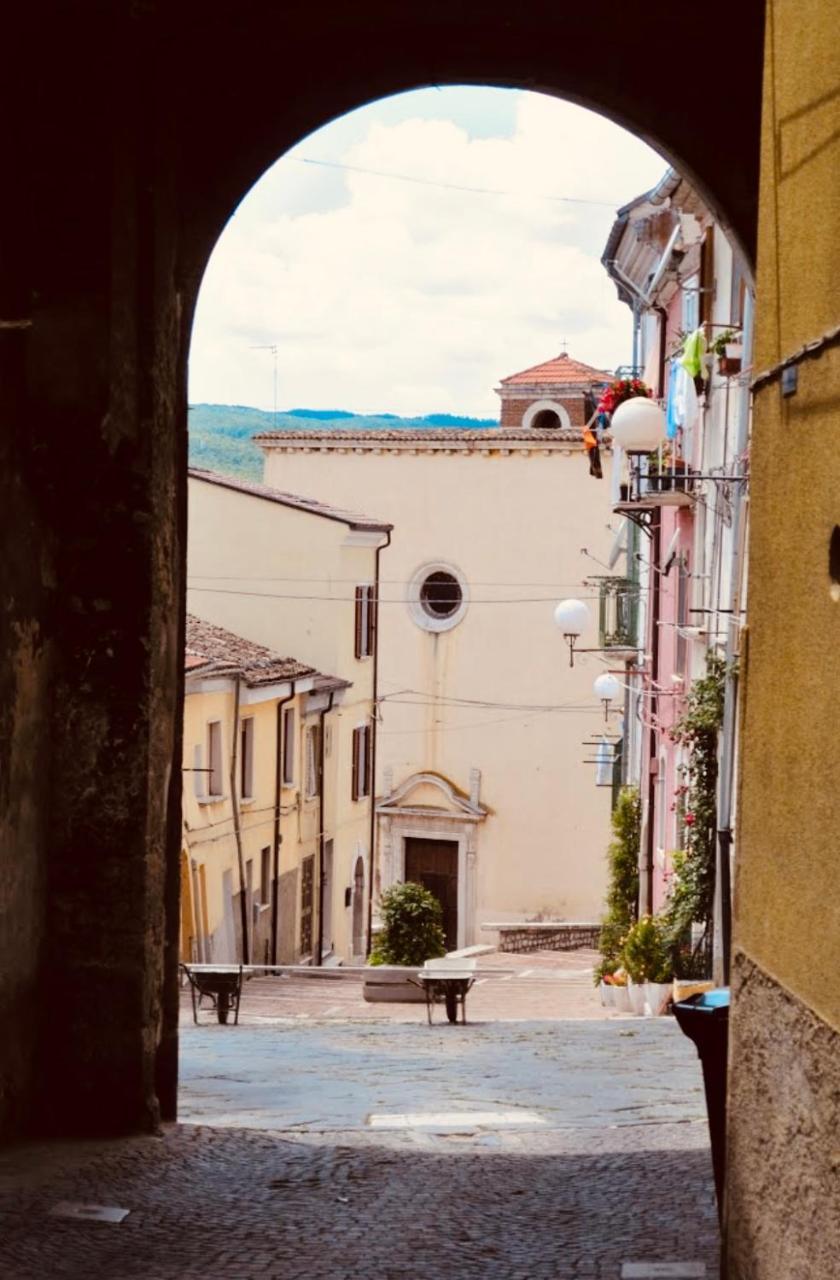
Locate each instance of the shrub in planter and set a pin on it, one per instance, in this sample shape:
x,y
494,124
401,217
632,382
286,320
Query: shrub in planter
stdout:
x,y
623,889
412,926
645,954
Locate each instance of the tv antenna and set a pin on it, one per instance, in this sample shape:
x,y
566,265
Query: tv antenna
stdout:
x,y
272,347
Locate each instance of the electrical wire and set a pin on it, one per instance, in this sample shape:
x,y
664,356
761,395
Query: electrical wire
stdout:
x,y
447,186
402,600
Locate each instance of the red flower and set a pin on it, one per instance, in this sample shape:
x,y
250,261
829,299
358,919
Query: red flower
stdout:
x,y
689,819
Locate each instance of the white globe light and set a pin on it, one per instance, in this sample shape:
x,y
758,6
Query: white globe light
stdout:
x,y
572,617
638,425
606,687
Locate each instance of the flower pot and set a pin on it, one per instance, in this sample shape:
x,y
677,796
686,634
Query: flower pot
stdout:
x,y
728,366
636,993
605,993
621,999
657,998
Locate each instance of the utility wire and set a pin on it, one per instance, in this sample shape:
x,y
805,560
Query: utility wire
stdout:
x,y
275,595
448,186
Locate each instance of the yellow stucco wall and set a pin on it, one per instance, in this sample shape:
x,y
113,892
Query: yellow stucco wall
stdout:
x,y
302,570
787,896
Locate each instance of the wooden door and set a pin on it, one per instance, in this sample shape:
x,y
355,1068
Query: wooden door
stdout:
x,y
434,864
307,885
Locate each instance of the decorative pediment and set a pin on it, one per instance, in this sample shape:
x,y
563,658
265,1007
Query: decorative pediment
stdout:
x,y
427,794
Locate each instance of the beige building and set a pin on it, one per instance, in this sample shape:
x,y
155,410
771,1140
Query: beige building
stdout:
x,y
485,783
295,576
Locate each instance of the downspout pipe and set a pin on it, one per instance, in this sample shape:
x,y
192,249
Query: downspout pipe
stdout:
x,y
280,764
721,958
321,833
646,879
373,736
237,826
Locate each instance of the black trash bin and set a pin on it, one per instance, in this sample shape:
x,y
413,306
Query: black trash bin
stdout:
x,y
705,1020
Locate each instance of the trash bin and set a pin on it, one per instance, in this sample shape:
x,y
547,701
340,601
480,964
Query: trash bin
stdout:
x,y
704,1018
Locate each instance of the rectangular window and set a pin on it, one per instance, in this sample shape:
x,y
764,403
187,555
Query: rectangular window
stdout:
x,y
365,621
361,762
313,761
682,617
214,758
289,747
265,876
198,772
246,758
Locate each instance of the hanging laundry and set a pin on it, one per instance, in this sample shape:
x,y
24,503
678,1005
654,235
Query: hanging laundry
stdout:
x,y
590,443
605,757
693,353
673,419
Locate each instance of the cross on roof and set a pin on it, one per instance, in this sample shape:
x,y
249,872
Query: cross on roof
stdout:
x,y
563,347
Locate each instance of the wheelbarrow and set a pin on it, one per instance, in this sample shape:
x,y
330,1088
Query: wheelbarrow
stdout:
x,y
447,981
222,984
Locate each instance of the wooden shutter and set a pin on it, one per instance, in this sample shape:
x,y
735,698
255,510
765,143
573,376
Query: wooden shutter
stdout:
x,y
360,596
373,606
355,781
366,740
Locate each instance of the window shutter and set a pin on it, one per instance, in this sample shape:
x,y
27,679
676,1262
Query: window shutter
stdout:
x,y
360,595
366,783
355,782
373,606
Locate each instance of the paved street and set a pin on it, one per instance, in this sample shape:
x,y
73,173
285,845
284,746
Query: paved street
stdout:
x,y
370,1145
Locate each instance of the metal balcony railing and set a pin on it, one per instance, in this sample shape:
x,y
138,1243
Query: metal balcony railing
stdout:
x,y
618,613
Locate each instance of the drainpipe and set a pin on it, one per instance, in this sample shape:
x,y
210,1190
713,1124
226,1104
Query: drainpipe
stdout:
x,y
278,835
237,829
722,943
646,879
374,726
321,833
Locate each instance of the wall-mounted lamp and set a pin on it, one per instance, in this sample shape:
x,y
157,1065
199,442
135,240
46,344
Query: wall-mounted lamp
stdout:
x,y
608,689
572,617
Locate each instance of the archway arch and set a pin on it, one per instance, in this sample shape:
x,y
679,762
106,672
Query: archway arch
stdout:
x,y
174,113
546,415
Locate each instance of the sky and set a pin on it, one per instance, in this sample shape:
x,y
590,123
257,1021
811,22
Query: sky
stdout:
x,y
410,254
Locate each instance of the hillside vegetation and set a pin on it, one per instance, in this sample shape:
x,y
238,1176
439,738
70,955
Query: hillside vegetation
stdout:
x,y
220,434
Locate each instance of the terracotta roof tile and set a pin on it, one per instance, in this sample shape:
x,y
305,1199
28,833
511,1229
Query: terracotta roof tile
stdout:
x,y
311,505
216,651
477,437
561,371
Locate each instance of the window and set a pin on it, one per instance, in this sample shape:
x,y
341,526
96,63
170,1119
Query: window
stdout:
x,y
289,747
365,621
313,761
199,787
246,758
437,597
682,617
361,761
265,876
440,594
214,758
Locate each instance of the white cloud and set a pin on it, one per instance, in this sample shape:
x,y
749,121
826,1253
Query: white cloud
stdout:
x,y
409,298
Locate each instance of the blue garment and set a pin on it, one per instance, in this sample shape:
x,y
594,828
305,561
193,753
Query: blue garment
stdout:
x,y
673,419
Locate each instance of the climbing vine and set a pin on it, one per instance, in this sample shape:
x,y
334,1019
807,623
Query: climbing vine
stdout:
x,y
691,900
623,883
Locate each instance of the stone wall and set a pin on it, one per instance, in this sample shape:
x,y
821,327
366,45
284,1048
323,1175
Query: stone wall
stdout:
x,y
783,1148
553,937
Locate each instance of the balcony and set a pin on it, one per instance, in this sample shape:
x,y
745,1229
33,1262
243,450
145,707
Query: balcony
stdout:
x,y
655,481
618,609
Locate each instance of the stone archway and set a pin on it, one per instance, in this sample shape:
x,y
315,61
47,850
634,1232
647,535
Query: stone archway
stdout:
x,y
166,116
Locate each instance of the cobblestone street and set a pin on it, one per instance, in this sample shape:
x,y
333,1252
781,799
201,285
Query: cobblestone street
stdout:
x,y
369,1145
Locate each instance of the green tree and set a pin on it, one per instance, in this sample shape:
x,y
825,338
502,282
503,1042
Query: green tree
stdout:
x,y
412,930
623,888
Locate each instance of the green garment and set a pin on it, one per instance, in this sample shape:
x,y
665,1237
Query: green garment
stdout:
x,y
693,353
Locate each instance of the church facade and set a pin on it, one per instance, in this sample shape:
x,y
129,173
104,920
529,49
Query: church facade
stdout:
x,y
485,781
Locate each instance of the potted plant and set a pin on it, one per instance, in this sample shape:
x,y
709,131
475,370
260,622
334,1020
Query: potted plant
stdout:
x,y
412,933
622,896
648,964
728,348
665,470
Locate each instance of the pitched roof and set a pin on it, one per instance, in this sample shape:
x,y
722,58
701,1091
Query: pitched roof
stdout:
x,y
561,371
351,518
212,650
445,437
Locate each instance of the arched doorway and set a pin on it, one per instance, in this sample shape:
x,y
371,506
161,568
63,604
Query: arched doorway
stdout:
x,y
102,290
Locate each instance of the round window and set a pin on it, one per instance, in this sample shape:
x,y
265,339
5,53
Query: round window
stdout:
x,y
441,594
438,596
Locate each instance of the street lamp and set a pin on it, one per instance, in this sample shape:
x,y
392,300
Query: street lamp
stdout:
x,y
607,688
572,617
638,425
